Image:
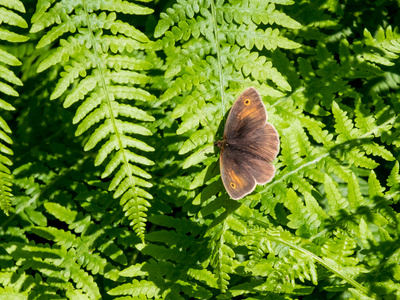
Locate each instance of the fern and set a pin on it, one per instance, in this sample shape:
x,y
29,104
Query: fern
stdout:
x,y
9,19
146,87
107,78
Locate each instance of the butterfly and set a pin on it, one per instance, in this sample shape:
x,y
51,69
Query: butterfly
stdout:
x,y
248,147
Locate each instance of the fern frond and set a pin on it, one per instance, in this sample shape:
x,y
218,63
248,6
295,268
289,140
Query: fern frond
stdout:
x,y
7,79
222,254
375,189
306,219
259,67
336,201
393,182
80,224
41,257
384,48
105,71
76,258
204,276
278,272
340,251
356,199
343,126
193,73
136,288
175,260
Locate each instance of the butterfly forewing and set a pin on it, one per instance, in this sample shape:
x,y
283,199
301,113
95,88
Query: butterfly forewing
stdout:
x,y
246,115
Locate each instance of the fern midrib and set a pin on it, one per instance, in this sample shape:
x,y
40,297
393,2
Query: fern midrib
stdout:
x,y
329,265
221,77
108,103
316,160
220,255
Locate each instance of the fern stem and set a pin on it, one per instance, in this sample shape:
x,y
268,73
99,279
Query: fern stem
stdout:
x,y
220,265
316,160
103,83
221,77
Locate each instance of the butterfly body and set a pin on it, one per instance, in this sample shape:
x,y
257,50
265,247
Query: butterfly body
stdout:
x,y
249,144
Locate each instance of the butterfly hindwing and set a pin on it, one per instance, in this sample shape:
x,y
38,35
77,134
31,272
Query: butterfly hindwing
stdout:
x,y
238,181
241,172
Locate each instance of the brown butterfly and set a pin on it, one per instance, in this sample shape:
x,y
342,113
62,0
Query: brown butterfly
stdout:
x,y
249,144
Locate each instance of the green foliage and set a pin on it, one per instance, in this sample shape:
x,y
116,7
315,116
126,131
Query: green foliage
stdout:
x,y
113,187
104,71
9,19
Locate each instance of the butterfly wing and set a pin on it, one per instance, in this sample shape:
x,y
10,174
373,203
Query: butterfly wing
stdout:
x,y
247,114
237,180
241,172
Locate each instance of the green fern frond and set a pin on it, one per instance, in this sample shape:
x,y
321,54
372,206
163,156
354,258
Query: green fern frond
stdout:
x,y
306,219
137,288
5,173
343,126
77,222
259,67
105,71
204,276
7,79
355,197
81,247
384,48
179,284
222,254
375,189
280,274
340,251
80,224
393,182
40,257
348,132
